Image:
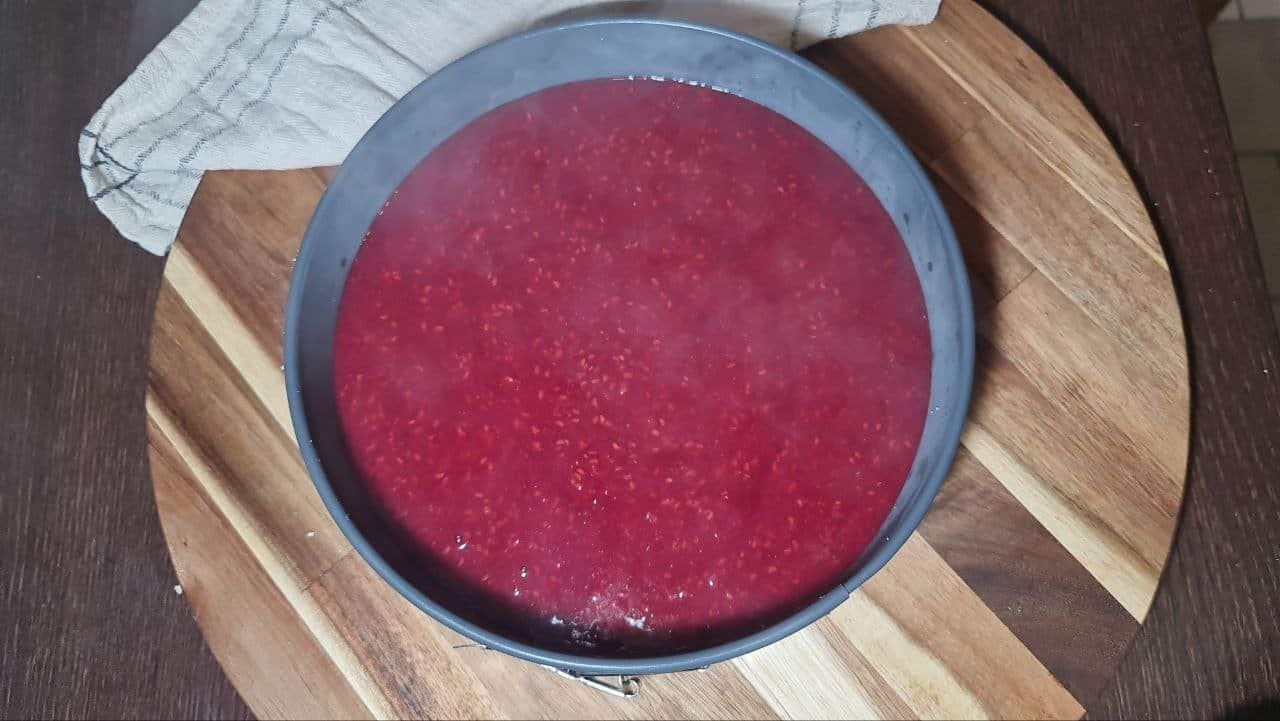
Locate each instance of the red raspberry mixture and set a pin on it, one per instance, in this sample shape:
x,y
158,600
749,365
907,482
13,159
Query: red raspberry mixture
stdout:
x,y
636,365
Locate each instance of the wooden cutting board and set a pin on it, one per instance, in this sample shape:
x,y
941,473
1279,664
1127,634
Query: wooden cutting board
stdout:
x,y
1017,596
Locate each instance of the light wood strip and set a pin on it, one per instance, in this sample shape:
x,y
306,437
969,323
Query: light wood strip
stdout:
x,y
911,670
721,691
882,694
260,371
1120,569
800,678
264,646
253,459
403,648
927,618
1068,358
281,573
1083,457
512,687
1016,87
1118,285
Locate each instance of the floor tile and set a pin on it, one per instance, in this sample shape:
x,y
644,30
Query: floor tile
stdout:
x,y
1247,57
1261,174
1259,9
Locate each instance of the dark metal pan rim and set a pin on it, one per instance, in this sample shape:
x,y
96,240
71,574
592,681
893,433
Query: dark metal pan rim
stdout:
x,y
713,57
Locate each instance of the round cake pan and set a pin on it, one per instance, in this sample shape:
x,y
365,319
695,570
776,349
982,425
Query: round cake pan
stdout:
x,y
618,48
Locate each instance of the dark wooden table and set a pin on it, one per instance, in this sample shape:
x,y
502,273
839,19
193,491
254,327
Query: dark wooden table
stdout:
x,y
90,624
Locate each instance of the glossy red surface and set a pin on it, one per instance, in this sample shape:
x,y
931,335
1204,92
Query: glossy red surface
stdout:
x,y
635,365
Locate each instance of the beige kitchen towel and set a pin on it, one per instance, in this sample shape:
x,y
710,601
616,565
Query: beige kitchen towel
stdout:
x,y
276,84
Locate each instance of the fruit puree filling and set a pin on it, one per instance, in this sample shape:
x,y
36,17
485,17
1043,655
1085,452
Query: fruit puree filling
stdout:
x,y
635,365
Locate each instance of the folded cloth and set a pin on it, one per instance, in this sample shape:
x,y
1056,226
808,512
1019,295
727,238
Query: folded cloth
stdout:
x,y
277,84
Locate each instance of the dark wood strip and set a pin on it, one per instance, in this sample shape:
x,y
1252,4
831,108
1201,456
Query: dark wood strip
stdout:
x,y
244,234
995,265
1103,475
959,659
1034,585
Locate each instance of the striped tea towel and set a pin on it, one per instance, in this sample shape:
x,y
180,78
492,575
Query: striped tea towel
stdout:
x,y
276,84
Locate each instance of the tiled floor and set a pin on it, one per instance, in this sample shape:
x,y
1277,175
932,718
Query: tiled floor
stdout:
x,y
1246,51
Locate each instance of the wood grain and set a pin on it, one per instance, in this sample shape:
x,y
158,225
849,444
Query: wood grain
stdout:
x,y
1072,474
267,649
91,625
1027,578
1210,647
77,519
